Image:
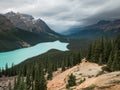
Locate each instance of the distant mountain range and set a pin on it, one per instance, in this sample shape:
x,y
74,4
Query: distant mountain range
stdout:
x,y
102,28
21,30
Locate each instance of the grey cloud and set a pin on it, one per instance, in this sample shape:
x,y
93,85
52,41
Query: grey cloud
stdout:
x,y
52,12
111,11
62,14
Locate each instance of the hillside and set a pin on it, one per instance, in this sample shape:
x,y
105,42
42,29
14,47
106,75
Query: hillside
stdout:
x,y
13,38
102,28
28,23
8,41
95,78
59,70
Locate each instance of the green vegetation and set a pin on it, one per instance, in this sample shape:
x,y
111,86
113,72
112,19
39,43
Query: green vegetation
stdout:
x,y
103,87
71,81
105,51
81,81
116,81
37,70
34,72
31,82
13,39
100,73
89,88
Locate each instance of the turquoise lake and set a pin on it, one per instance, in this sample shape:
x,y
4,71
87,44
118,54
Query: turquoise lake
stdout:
x,y
19,55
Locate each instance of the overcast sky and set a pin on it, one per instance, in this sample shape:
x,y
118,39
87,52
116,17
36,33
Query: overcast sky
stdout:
x,y
62,14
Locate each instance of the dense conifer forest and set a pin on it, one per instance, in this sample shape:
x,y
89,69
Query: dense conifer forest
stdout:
x,y
33,73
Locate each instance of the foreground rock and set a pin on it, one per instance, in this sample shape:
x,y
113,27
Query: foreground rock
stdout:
x,y
95,78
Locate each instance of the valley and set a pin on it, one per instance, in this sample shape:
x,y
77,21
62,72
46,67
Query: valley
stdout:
x,y
19,55
35,57
12,36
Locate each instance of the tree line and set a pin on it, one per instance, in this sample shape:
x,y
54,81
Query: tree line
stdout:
x,y
33,74
105,51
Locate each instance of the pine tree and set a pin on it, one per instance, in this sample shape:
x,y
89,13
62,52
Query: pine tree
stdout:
x,y
79,57
89,56
110,60
106,51
28,81
66,62
40,82
43,85
116,62
33,72
49,77
12,70
63,65
17,82
0,72
97,51
71,81
100,59
92,59
37,78
6,70
22,85
71,61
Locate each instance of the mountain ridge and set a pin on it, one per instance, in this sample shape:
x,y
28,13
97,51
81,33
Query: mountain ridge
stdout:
x,y
101,28
12,37
28,23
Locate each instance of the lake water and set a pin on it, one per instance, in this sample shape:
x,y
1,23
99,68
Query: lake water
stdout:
x,y
19,55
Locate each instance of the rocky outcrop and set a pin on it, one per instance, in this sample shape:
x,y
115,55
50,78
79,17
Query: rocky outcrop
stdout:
x,y
92,74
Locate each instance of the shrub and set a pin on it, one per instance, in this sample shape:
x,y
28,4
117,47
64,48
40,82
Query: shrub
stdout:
x,y
89,88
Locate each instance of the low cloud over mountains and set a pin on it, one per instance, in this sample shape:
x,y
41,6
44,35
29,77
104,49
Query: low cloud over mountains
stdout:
x,y
62,14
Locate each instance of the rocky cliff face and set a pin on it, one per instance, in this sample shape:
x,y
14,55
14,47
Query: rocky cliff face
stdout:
x,y
27,22
5,24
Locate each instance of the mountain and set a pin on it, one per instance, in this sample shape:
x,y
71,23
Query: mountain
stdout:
x,y
22,30
12,37
5,24
102,28
8,40
28,23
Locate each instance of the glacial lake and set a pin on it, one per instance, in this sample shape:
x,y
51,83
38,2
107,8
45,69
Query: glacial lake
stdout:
x,y
19,55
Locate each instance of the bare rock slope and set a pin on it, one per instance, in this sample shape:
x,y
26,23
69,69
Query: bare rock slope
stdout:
x,y
95,78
